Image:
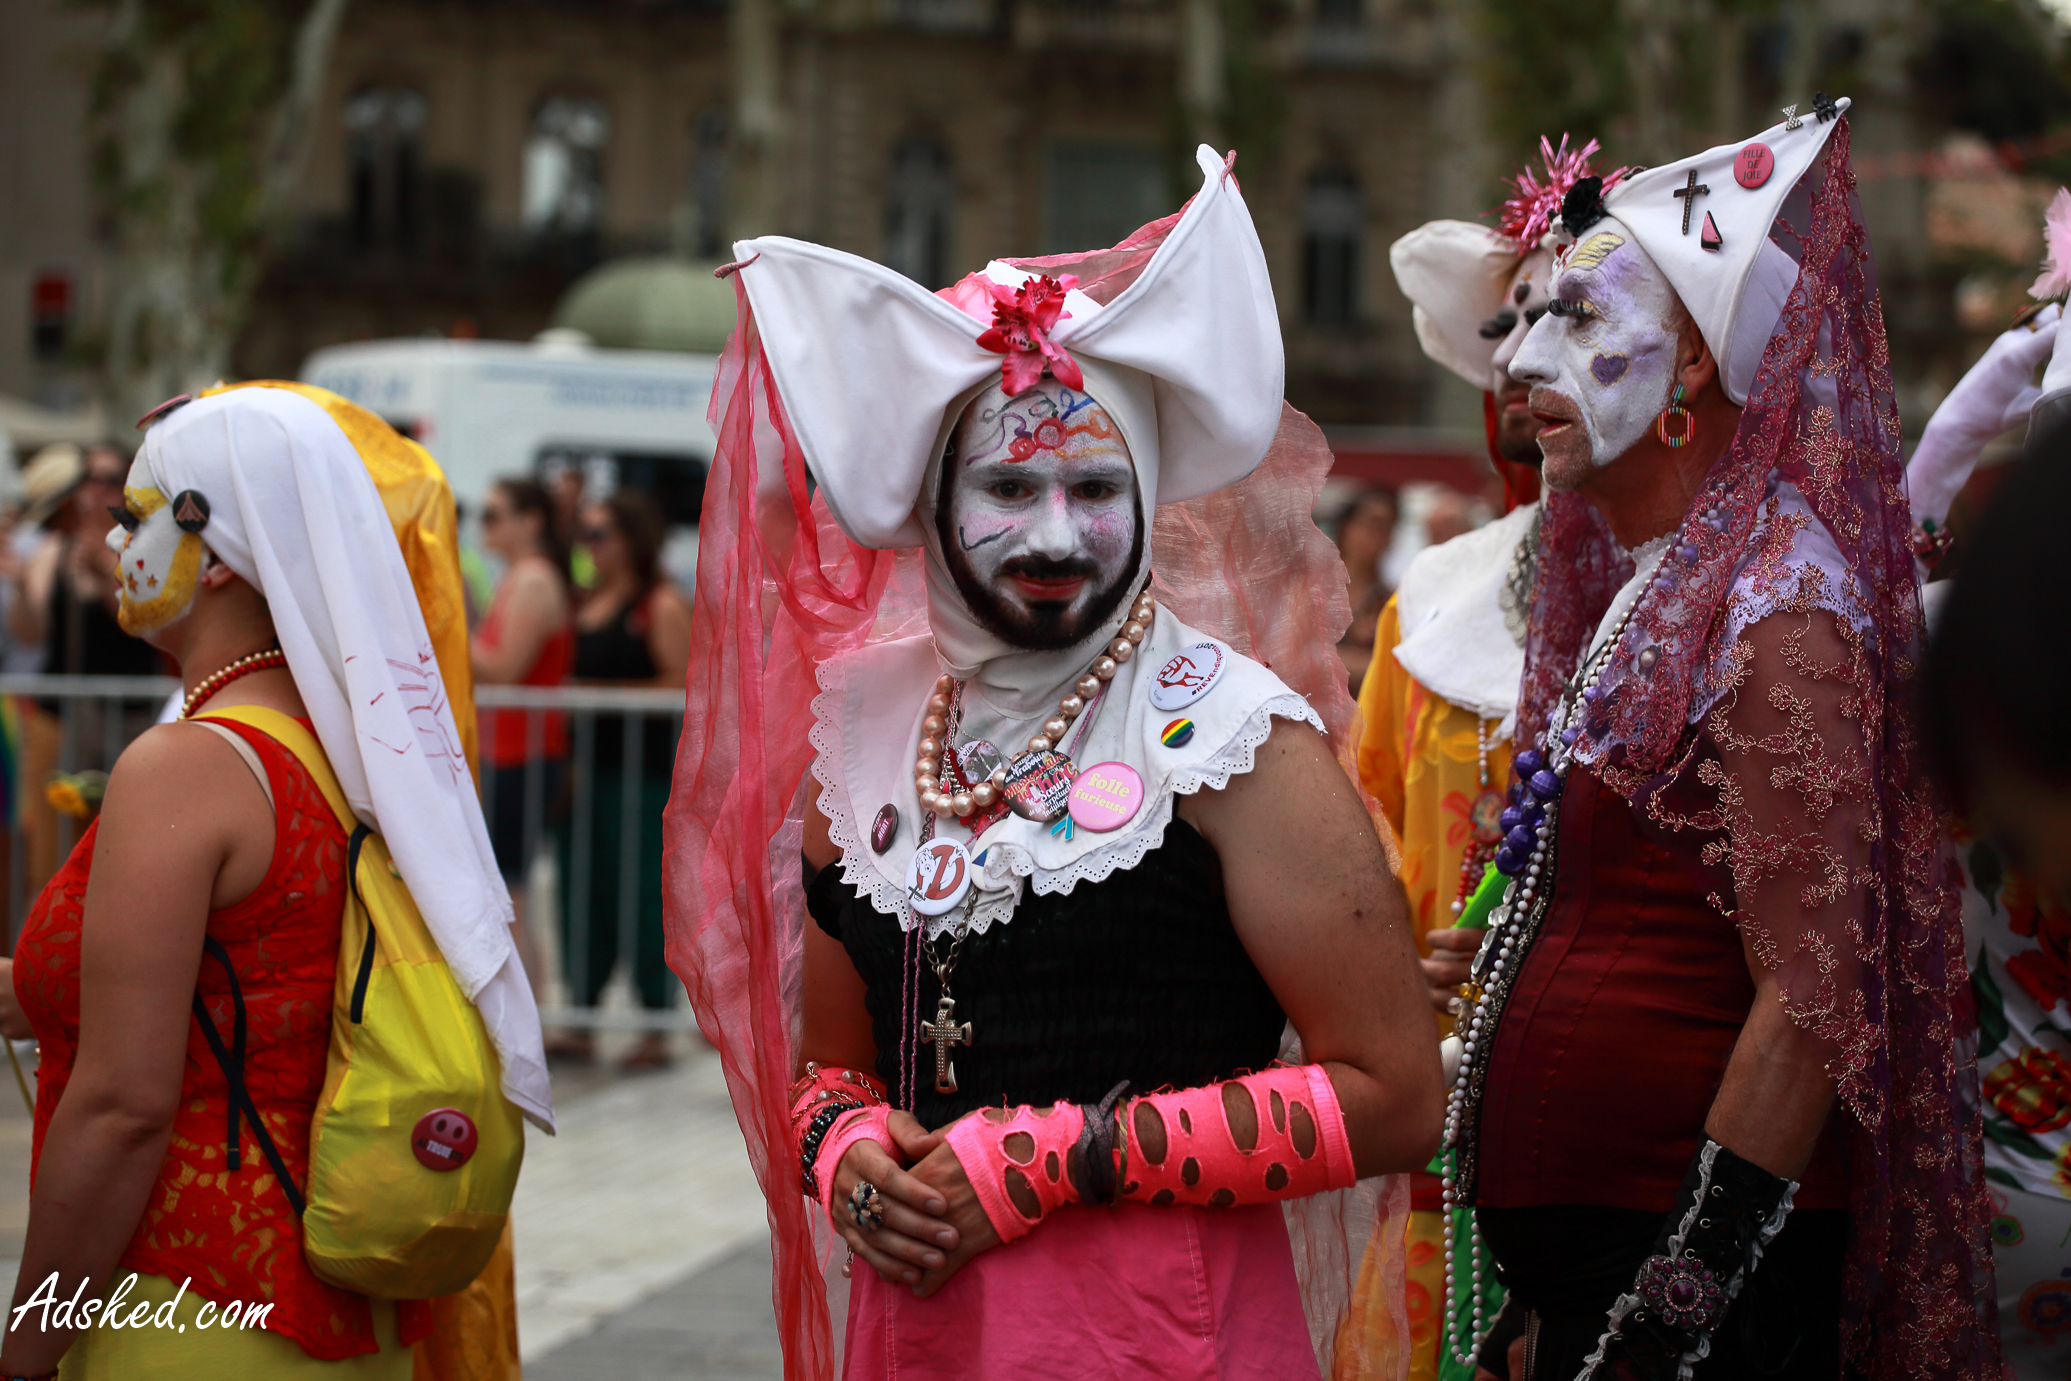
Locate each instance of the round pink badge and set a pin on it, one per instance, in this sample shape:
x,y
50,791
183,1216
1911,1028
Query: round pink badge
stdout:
x,y
1106,797
1753,164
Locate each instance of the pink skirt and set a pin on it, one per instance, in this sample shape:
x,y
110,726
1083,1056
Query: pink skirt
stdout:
x,y
1182,1294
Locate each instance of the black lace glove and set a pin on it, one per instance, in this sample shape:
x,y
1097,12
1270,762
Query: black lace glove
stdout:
x,y
1728,1211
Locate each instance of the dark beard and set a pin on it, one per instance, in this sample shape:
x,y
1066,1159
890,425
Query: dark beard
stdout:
x,y
1518,450
1046,625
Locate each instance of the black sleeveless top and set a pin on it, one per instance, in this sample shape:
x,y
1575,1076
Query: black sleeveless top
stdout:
x,y
618,651
1139,977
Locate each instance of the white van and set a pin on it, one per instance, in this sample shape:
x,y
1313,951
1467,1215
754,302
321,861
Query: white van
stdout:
x,y
486,409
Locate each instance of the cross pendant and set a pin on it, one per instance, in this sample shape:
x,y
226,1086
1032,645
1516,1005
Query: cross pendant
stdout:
x,y
943,1032
1689,193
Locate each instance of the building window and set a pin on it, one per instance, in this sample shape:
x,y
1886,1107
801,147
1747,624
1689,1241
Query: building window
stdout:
x,y
917,204
382,125
1098,195
708,186
564,166
1332,221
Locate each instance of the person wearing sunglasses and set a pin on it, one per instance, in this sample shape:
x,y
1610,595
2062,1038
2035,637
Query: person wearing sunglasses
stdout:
x,y
526,639
632,628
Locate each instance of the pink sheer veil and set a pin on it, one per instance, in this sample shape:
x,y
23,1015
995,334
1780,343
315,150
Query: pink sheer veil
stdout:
x,y
780,590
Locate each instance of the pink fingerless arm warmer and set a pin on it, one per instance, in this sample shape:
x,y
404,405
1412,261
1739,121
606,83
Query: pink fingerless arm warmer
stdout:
x,y
1278,1134
867,1124
1023,1162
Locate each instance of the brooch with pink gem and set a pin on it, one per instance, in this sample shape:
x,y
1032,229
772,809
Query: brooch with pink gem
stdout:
x,y
1683,1293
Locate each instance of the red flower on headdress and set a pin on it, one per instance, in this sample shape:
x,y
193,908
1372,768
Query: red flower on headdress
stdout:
x,y
1022,319
1531,213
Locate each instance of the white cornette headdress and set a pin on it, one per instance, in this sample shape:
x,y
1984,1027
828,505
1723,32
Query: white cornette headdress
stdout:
x,y
1729,273
1455,275
1187,360
295,513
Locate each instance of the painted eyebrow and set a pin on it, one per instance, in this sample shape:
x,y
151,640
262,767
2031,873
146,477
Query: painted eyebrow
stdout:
x,y
1111,469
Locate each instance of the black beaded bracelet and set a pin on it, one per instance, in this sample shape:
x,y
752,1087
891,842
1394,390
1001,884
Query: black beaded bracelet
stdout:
x,y
815,1133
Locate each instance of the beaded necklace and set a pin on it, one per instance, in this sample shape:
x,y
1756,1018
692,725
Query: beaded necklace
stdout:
x,y
936,744
945,791
216,680
1524,858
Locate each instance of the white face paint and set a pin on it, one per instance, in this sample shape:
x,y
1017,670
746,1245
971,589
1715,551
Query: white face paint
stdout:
x,y
159,564
1517,430
1601,364
1039,522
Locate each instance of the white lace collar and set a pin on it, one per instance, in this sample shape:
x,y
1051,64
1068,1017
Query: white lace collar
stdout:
x,y
1456,638
867,727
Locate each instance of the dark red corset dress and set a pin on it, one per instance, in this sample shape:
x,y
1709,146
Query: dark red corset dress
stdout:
x,y
1624,1014
232,1236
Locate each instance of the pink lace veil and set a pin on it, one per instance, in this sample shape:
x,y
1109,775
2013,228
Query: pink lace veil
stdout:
x,y
1877,976
780,590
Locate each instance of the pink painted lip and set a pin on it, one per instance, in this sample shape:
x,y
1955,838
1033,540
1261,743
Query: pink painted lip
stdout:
x,y
1554,411
1047,591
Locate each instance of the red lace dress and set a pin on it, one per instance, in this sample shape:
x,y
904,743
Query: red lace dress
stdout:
x,y
235,1235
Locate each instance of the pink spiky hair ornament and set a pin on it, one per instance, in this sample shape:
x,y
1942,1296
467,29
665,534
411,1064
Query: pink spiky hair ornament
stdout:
x,y
2055,279
1526,217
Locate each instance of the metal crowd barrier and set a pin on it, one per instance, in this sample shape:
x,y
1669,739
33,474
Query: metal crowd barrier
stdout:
x,y
82,723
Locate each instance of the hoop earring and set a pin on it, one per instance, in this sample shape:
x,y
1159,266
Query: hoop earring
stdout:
x,y
1676,409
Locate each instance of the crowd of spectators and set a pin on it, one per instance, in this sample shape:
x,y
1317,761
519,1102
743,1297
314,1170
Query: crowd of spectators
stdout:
x,y
580,598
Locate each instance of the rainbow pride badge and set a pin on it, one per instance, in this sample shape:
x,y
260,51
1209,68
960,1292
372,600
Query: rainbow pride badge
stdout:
x,y
1178,733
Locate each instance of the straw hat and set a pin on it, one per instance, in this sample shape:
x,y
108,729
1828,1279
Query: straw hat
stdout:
x,y
49,478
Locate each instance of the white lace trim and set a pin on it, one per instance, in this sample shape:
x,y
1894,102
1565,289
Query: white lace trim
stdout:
x,y
1008,865
825,737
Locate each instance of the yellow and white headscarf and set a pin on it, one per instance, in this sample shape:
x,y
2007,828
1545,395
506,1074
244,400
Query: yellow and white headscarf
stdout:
x,y
290,474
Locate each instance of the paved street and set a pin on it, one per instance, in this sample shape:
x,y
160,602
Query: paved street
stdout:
x,y
643,1248
712,1325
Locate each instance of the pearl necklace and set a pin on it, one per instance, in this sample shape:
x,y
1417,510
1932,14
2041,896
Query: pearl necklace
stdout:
x,y
216,680
934,727
1542,780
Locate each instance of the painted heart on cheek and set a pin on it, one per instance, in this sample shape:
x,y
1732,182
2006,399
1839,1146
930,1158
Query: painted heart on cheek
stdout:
x,y
1609,369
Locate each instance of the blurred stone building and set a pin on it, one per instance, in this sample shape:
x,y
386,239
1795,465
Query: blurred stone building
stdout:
x,y
472,158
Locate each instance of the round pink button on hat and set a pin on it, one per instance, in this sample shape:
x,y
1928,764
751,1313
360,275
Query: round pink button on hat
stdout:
x,y
1106,797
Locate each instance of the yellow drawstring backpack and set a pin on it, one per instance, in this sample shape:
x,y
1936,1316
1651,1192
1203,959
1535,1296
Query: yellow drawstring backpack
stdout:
x,y
414,1150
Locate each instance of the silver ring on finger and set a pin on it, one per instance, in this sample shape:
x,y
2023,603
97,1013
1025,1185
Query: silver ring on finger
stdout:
x,y
866,1206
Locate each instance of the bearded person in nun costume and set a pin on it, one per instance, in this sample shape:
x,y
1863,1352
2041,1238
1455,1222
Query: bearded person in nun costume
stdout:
x,y
1439,702
1717,1112
1082,1035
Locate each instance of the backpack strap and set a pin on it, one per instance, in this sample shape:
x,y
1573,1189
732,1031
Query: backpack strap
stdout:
x,y
290,734
231,1061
